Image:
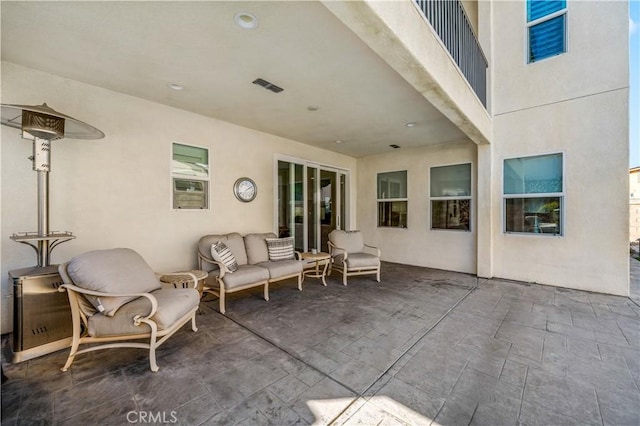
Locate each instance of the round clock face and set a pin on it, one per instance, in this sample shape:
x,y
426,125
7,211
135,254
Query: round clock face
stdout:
x,y
245,189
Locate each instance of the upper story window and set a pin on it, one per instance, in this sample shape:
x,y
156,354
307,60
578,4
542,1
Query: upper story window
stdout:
x,y
533,191
392,199
450,193
546,28
190,177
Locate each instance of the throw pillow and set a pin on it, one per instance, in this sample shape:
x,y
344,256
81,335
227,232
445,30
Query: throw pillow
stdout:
x,y
280,248
221,253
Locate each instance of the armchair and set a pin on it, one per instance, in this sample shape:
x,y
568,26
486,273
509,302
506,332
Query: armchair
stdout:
x,y
116,297
351,255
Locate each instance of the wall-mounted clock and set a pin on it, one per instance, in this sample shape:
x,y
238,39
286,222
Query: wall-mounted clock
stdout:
x,y
245,189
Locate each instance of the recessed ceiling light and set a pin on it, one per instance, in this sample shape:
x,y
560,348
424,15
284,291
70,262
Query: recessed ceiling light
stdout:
x,y
410,124
338,142
246,20
175,86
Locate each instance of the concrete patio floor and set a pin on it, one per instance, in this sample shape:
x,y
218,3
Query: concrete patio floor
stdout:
x,y
422,347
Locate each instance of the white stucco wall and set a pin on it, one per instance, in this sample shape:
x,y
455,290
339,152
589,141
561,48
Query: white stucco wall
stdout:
x,y
417,244
115,192
575,103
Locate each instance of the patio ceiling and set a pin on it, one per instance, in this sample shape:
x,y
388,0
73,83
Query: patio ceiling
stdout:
x,y
138,48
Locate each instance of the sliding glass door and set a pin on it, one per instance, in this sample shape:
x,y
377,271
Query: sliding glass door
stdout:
x,y
312,201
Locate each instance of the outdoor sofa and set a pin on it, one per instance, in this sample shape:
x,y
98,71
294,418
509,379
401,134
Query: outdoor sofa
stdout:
x,y
235,262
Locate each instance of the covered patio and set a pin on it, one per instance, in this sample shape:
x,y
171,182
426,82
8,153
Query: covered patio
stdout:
x,y
422,347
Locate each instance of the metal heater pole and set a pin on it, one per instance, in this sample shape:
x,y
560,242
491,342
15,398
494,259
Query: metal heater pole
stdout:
x,y
42,164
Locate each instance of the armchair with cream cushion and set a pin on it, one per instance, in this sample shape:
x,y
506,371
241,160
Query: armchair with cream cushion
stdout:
x,y
351,255
116,297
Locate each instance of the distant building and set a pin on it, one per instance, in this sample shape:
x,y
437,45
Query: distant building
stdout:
x,y
634,203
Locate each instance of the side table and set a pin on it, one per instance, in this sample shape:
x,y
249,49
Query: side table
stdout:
x,y
182,279
314,271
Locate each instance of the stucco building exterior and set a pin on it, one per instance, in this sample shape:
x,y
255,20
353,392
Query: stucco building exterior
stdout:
x,y
541,193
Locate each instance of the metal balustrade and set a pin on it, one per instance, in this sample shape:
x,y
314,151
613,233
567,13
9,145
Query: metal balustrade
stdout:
x,y
449,20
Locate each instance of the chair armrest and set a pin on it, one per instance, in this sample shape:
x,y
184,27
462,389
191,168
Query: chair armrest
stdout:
x,y
374,248
151,297
220,266
341,251
298,255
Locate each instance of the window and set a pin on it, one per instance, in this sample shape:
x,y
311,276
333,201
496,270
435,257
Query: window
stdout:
x,y
450,195
190,177
533,194
546,28
392,199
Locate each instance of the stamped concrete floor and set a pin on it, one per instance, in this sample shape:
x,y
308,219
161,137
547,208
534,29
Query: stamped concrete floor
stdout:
x,y
422,347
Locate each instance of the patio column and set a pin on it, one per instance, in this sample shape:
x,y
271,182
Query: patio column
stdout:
x,y
485,212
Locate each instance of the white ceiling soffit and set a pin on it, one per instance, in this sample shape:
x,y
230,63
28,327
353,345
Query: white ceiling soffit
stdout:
x,y
138,48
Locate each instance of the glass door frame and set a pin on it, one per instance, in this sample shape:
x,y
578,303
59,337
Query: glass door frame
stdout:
x,y
342,211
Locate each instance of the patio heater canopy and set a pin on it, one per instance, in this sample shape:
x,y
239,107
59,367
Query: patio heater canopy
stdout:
x,y
46,123
42,124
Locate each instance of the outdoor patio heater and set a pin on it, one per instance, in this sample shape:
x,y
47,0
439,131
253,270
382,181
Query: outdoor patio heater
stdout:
x,y
41,314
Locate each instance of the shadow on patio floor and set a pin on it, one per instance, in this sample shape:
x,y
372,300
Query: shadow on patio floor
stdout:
x,y
421,346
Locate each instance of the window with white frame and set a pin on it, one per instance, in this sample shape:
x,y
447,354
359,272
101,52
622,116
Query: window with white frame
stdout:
x,y
450,195
392,199
546,28
189,177
533,191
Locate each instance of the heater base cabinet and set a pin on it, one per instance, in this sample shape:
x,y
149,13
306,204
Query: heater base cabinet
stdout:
x,y
41,314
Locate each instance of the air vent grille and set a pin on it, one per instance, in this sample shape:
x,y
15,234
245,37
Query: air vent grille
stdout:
x,y
394,146
267,85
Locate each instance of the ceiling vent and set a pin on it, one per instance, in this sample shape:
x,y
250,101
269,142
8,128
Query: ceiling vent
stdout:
x,y
267,85
394,146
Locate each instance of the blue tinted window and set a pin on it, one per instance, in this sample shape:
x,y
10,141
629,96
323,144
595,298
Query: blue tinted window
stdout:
x,y
533,175
547,39
538,8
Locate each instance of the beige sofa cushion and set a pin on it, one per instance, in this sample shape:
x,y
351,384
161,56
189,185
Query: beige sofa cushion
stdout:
x,y
351,241
282,268
256,246
173,304
362,260
119,270
234,241
244,275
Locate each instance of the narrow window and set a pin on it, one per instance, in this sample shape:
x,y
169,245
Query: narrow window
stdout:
x,y
450,194
190,177
534,194
392,199
546,28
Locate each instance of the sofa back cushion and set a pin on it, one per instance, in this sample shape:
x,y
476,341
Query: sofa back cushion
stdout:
x,y
351,241
119,270
234,241
256,245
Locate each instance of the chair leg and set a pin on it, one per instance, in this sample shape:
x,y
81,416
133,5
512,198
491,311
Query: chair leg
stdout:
x,y
152,358
344,275
300,281
72,354
222,301
266,291
77,331
193,323
378,275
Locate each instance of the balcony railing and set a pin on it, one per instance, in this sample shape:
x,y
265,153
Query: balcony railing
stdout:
x,y
450,22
